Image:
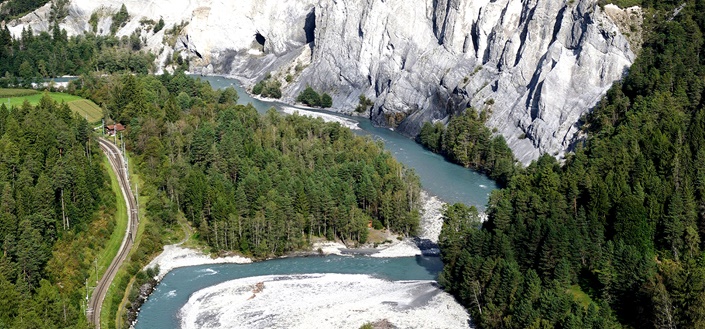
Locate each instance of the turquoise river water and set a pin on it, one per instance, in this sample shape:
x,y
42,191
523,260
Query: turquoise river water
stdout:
x,y
449,182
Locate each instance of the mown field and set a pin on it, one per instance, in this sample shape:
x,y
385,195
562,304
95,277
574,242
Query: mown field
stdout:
x,y
87,109
84,107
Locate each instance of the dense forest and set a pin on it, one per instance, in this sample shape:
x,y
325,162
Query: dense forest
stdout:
x,y
50,54
468,142
612,238
260,185
46,261
55,208
16,8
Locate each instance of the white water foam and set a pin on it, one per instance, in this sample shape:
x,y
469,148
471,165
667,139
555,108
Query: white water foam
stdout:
x,y
321,301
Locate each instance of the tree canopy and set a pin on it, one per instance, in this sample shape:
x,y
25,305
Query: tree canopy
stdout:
x,y
260,185
52,185
16,8
611,238
468,142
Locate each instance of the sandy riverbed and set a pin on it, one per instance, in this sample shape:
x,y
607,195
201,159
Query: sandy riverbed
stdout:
x,y
321,301
175,256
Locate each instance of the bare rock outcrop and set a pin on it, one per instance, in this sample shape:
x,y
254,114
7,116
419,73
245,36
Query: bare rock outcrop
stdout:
x,y
537,66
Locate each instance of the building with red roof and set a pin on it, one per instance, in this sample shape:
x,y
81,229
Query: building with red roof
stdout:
x,y
112,129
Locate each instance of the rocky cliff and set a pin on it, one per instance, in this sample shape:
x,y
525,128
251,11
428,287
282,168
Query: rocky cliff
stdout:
x,y
536,65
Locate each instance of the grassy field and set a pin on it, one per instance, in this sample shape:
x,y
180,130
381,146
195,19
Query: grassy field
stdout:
x,y
5,93
33,98
83,107
87,109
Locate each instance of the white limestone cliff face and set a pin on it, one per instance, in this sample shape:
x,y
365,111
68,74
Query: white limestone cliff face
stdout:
x,y
536,65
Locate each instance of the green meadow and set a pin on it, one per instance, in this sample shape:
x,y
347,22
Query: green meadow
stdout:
x,y
83,107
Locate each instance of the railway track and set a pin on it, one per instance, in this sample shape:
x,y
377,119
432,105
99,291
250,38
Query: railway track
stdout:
x,y
117,164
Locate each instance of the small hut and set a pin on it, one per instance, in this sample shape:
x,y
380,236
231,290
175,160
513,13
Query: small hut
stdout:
x,y
113,129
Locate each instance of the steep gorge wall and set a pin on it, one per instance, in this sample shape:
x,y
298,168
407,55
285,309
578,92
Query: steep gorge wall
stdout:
x,y
536,65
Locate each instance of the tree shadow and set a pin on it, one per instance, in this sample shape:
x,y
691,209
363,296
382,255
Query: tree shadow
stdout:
x,y
430,258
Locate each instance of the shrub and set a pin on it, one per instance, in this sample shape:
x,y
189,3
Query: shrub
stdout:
x,y
93,21
257,89
272,90
326,101
309,97
159,26
268,88
364,104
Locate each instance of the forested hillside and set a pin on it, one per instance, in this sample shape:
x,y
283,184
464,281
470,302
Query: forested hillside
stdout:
x,y
55,208
612,238
32,57
260,185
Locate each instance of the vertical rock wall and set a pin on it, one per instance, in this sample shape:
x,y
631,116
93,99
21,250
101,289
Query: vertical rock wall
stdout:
x,y
536,65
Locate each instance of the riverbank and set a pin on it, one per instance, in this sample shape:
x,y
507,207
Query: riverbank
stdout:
x,y
351,124
176,256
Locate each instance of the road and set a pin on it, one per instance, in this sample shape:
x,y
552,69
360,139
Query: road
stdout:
x,y
118,165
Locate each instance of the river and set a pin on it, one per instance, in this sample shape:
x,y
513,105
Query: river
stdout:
x,y
449,182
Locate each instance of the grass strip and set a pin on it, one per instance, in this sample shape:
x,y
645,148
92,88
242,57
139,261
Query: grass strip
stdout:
x,y
6,93
33,99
